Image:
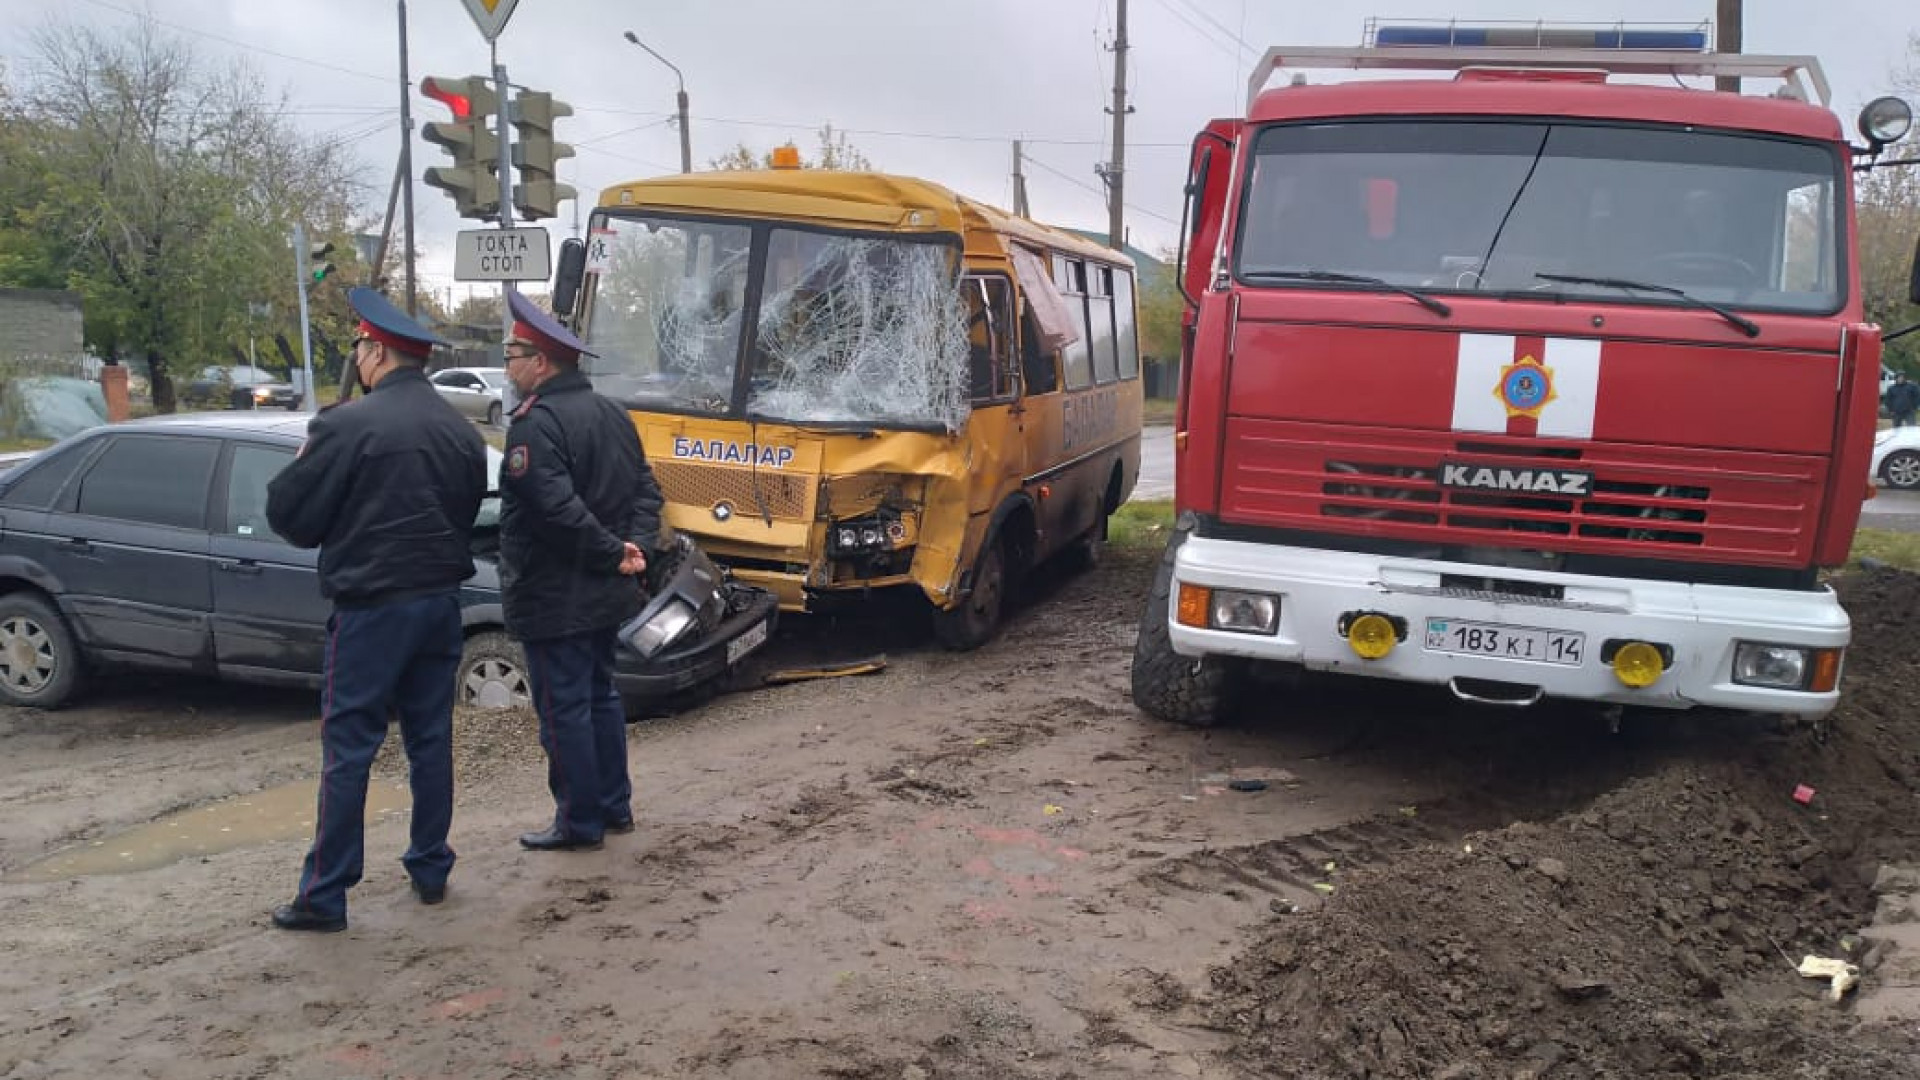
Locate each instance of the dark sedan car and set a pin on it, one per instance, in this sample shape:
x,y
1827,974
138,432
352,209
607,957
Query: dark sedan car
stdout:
x,y
239,387
146,546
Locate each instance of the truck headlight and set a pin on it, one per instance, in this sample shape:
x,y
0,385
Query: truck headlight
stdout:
x,y
1246,612
1786,667
648,635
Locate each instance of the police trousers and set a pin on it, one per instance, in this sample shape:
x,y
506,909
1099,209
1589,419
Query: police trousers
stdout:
x,y
397,659
583,729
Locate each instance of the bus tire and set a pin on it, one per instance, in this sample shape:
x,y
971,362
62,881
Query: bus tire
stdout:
x,y
1194,691
973,622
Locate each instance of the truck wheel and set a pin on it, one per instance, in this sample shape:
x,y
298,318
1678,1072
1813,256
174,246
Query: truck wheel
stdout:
x,y
1902,470
1189,690
39,664
975,620
493,673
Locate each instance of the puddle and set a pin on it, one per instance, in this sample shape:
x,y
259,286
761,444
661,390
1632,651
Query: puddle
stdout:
x,y
280,813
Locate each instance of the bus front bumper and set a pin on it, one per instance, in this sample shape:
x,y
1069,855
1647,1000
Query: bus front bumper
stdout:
x,y
1509,648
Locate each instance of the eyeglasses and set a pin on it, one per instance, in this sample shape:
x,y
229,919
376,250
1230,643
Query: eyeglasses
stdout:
x,y
526,353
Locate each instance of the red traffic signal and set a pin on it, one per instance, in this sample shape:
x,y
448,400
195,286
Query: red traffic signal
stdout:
x,y
466,96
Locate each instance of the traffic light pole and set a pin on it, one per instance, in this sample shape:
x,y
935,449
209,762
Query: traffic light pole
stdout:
x,y
307,395
506,188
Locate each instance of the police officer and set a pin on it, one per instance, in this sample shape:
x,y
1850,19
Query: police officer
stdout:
x,y
387,487
579,509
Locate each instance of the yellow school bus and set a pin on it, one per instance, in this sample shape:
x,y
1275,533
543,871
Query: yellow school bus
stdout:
x,y
849,382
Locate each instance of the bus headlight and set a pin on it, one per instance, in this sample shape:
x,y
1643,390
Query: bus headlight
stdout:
x,y
1786,667
865,535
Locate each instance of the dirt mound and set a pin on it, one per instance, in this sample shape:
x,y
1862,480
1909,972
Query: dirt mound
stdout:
x,y
1649,933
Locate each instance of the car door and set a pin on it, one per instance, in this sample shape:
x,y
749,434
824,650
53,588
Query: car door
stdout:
x,y
269,619
463,390
128,542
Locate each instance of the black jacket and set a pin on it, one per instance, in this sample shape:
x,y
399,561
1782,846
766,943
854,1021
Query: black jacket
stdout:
x,y
575,487
387,488
1903,397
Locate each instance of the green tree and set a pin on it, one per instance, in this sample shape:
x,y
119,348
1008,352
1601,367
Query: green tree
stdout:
x,y
163,191
1887,201
832,150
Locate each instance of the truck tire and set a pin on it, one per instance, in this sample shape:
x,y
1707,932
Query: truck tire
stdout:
x,y
39,662
1194,691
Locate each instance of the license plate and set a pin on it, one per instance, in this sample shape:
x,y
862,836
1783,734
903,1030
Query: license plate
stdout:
x,y
755,637
1505,642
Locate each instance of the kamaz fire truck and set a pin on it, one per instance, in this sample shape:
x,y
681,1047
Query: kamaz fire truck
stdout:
x,y
1520,374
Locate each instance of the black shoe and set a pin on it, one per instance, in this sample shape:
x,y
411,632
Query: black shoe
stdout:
x,y
555,840
429,896
296,916
620,826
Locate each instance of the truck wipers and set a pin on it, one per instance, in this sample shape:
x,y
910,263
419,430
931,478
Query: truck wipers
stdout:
x,y
1747,326
1420,298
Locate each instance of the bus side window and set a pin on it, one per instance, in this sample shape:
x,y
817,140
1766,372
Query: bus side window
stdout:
x,y
1078,355
990,372
1039,369
1123,320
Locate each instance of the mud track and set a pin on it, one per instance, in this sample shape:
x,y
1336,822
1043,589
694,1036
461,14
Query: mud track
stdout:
x,y
991,865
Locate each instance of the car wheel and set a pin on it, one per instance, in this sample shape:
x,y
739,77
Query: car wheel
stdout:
x,y
493,673
493,414
1902,469
39,665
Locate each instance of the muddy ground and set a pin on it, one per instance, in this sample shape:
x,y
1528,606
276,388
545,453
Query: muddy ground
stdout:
x,y
992,866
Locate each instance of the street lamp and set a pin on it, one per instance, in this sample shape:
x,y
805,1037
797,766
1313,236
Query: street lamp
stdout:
x,y
686,143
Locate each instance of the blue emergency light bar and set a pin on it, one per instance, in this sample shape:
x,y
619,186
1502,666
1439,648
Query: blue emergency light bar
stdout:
x,y
1541,36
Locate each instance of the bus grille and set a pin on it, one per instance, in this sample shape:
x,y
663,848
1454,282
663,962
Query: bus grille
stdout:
x,y
1672,503
784,496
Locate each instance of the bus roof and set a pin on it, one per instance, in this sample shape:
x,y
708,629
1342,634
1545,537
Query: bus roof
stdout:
x,y
849,199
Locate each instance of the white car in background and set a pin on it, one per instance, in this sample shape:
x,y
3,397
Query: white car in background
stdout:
x,y
1896,457
476,391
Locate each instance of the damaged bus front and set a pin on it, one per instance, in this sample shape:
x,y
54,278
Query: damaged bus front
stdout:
x,y
844,382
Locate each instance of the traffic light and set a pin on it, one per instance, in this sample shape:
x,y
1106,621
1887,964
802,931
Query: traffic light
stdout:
x,y
535,154
473,179
317,265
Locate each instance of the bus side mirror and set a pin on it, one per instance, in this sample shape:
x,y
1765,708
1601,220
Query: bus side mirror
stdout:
x,y
566,281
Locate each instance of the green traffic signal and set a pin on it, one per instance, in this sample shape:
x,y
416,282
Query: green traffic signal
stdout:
x,y
318,264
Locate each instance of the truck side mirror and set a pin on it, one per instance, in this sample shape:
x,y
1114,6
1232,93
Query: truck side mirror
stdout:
x,y
566,281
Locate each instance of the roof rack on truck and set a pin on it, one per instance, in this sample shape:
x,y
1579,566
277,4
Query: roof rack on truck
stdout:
x,y
1609,50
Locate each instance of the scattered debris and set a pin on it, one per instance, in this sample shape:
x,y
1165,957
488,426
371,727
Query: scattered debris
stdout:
x,y
1803,794
1842,975
1247,785
869,666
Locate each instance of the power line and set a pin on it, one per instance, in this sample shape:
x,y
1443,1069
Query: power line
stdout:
x,y
1197,29
1091,190
1194,7
240,44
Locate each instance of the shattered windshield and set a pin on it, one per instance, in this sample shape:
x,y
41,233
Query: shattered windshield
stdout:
x,y
668,297
845,329
1445,206
859,329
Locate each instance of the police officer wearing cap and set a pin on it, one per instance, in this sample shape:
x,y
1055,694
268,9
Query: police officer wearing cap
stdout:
x,y
387,488
579,509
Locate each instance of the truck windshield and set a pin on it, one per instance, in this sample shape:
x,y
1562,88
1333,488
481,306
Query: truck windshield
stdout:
x,y
845,329
1439,205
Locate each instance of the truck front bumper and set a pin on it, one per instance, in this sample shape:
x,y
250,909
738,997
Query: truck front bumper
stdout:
x,y
1699,627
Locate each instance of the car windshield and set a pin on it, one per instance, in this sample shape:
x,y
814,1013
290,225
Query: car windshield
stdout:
x,y
1468,206
248,376
845,329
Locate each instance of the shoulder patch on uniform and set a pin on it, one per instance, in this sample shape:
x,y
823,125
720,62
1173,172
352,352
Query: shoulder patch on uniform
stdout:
x,y
517,461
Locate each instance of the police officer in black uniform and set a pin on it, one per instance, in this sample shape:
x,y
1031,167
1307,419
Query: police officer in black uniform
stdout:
x,y
387,488
579,509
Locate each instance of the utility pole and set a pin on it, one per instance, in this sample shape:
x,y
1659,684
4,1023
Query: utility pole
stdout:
x,y
1020,208
506,190
406,159
1116,171
686,136
1726,39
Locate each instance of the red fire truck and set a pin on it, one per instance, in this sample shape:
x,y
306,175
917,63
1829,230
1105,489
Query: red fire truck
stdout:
x,y
1519,374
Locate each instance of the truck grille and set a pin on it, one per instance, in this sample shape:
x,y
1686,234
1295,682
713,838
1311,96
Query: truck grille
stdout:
x,y
787,496
1673,503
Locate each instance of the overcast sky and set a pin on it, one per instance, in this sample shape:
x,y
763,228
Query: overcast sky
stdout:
x,y
936,90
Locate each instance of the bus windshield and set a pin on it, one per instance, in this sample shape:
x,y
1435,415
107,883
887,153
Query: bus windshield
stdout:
x,y
844,329
1467,206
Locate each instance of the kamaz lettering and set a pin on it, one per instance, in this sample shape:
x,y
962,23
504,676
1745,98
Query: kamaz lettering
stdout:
x,y
1537,481
731,453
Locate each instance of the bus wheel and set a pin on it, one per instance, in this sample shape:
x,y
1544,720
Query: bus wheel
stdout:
x,y
1189,690
973,623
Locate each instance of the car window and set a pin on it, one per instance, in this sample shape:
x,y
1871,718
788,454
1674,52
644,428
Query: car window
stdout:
x,y
41,479
252,468
153,479
213,373
447,378
494,379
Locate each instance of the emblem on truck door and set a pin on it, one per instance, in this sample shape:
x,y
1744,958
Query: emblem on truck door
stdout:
x,y
1459,474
